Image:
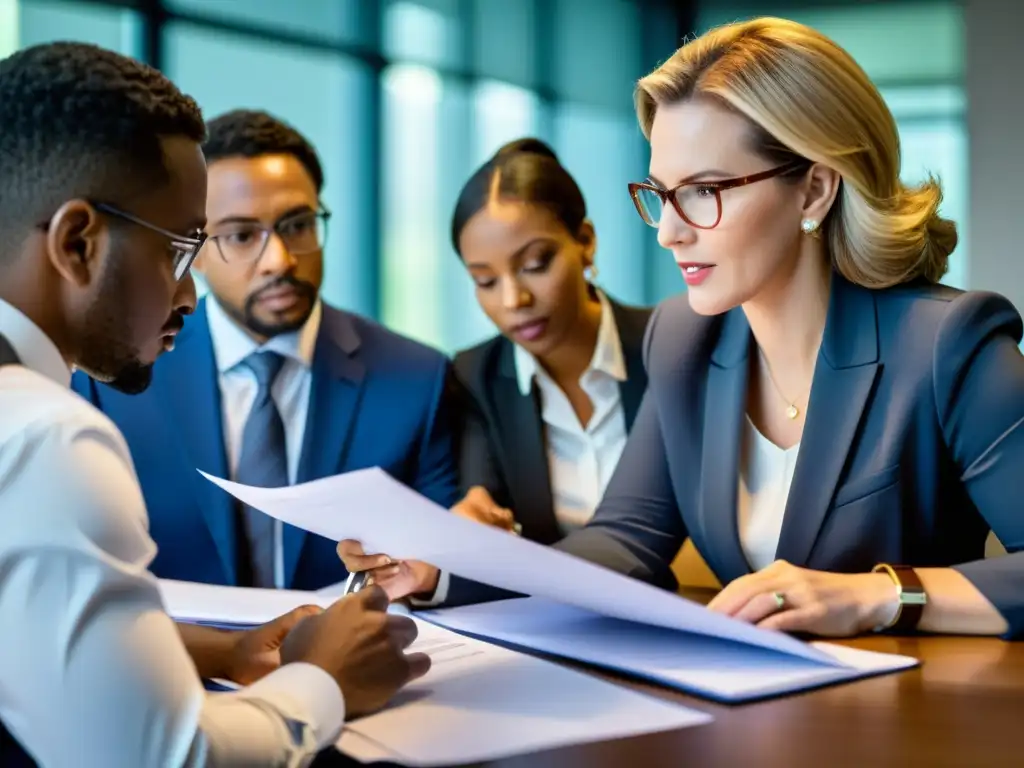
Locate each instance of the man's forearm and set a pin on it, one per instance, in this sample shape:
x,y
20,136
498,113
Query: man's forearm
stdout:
x,y
209,648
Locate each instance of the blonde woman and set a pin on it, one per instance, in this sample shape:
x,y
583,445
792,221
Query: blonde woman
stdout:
x,y
835,431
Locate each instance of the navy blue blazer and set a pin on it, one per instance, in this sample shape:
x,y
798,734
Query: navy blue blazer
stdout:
x,y
376,399
502,444
912,449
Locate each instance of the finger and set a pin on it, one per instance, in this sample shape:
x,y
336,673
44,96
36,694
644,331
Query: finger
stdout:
x,y
479,496
290,620
760,607
419,665
503,518
350,548
738,593
373,598
402,630
387,573
470,510
795,620
356,564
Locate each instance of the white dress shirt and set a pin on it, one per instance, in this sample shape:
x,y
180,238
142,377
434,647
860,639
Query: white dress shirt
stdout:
x,y
93,670
766,474
581,459
238,389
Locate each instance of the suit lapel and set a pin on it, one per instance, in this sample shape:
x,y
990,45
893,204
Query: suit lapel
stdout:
x,y
631,325
521,432
844,376
724,411
335,390
194,392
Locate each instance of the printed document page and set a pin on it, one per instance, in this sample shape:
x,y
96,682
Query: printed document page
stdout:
x,y
483,702
710,667
370,506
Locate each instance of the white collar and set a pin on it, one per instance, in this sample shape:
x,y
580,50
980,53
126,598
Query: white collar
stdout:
x,y
34,348
608,357
232,345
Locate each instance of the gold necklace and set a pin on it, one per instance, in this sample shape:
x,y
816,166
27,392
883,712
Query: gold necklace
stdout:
x,y
791,408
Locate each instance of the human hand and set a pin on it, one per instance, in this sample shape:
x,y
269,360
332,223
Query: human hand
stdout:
x,y
477,505
362,647
398,579
791,599
257,652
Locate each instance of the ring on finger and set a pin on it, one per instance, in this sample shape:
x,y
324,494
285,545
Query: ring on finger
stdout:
x,y
780,600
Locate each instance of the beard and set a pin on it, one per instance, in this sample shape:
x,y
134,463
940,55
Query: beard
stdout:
x,y
269,329
107,354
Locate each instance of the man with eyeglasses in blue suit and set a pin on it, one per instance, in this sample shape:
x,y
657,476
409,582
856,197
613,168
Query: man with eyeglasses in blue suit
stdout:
x,y
270,386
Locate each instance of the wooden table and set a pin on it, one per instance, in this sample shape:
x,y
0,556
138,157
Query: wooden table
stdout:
x,y
964,706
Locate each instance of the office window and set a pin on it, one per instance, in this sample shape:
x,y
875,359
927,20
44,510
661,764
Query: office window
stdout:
x,y
603,150
504,40
8,27
346,21
45,21
423,32
933,139
411,215
502,113
597,54
325,96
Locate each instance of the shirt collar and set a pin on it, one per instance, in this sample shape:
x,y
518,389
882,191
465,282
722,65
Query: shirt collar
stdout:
x,y
232,345
34,348
607,358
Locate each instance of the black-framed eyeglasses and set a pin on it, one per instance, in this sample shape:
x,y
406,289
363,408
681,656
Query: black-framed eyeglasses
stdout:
x,y
301,233
184,249
698,203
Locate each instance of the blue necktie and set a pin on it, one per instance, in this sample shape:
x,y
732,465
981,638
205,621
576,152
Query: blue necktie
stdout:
x,y
263,462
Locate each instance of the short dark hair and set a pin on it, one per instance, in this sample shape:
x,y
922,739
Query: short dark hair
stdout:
x,y
79,121
252,133
528,171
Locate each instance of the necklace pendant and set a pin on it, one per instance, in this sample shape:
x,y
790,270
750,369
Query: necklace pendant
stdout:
x,y
792,411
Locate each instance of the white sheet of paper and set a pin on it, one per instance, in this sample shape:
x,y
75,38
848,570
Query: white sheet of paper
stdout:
x,y
388,517
242,606
704,666
482,702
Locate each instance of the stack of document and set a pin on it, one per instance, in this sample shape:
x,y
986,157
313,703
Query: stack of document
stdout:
x,y
711,667
478,702
232,607
629,626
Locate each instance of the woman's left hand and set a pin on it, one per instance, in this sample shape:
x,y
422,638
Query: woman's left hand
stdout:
x,y
790,599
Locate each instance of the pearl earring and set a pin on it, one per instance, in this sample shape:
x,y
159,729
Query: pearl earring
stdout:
x,y
590,273
809,226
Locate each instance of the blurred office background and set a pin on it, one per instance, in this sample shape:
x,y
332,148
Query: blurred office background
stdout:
x,y
404,98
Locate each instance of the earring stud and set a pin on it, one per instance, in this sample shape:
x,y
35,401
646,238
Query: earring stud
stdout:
x,y
809,226
590,273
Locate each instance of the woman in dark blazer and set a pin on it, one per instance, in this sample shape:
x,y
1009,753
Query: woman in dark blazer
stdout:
x,y
546,405
835,431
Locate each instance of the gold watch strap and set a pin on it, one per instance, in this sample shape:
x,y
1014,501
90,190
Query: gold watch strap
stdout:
x,y
910,593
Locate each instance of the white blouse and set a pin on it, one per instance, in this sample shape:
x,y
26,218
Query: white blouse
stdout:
x,y
766,474
581,459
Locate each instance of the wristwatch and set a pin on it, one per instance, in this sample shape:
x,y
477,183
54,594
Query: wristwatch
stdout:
x,y
910,593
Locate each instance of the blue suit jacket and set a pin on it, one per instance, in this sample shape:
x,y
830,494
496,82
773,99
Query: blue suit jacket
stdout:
x,y
376,399
913,445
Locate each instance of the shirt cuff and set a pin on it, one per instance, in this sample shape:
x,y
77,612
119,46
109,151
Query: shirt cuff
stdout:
x,y
439,596
304,692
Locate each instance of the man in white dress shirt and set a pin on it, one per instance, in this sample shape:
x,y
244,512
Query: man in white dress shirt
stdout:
x,y
102,206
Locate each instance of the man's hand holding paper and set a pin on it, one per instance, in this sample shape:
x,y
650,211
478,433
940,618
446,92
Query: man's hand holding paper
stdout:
x,y
414,578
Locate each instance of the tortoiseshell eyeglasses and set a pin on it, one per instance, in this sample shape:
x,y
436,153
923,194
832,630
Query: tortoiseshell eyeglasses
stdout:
x,y
698,203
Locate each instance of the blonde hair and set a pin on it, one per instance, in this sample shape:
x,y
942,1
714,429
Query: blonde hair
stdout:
x,y
806,96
